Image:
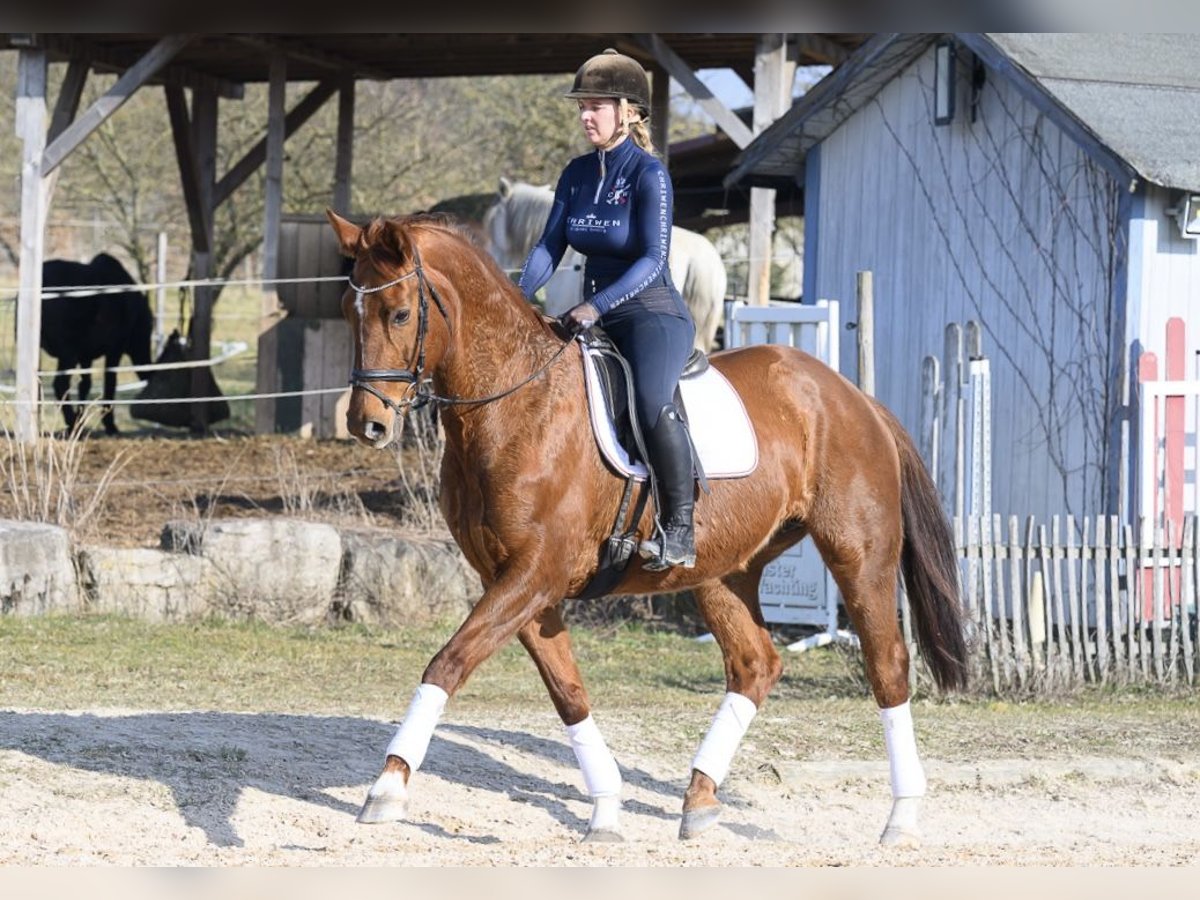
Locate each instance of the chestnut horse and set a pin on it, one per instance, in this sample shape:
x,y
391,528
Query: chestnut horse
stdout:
x,y
530,501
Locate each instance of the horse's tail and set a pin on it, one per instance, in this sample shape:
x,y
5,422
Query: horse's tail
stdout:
x,y
930,566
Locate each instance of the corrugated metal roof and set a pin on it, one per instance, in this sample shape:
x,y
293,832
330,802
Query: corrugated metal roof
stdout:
x,y
1137,95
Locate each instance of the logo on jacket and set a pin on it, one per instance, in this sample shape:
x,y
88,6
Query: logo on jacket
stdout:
x,y
619,195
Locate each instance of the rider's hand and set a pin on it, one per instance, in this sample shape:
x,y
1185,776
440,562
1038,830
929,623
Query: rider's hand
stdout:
x,y
579,318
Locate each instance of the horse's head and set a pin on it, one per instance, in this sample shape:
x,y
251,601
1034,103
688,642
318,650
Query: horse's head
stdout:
x,y
513,224
398,321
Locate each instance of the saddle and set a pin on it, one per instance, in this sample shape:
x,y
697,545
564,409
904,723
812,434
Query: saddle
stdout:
x,y
722,437
723,440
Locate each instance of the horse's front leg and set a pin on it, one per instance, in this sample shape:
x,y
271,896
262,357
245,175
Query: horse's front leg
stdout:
x,y
548,643
110,392
752,667
506,605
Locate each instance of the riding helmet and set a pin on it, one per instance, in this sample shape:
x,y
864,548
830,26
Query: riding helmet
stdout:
x,y
615,75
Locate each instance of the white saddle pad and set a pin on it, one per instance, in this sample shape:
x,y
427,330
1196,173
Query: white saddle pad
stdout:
x,y
720,428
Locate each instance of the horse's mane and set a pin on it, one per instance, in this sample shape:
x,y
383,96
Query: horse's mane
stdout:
x,y
385,239
388,240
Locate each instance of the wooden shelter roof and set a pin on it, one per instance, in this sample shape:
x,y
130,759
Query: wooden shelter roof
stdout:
x,y
244,58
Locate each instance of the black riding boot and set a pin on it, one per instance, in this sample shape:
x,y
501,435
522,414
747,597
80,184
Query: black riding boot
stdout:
x,y
670,452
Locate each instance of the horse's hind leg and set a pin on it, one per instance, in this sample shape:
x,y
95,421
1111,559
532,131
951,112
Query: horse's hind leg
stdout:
x,y
752,666
548,643
865,569
62,393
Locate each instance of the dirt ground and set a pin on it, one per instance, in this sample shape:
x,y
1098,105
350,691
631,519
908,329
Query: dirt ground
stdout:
x,y
101,787
97,788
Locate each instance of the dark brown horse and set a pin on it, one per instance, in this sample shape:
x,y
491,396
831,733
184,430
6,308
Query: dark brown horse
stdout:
x,y
530,501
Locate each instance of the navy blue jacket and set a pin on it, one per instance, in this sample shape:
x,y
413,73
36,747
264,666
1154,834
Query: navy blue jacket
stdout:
x,y
614,207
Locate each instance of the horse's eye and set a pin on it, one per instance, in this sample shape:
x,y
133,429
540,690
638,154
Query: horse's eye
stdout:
x,y
401,316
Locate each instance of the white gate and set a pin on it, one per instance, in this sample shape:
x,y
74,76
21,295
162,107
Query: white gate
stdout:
x,y
796,588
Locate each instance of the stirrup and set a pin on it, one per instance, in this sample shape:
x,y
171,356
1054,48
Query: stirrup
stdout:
x,y
654,551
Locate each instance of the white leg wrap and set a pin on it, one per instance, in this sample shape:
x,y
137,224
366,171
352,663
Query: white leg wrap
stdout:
x,y
413,736
729,725
606,814
908,777
600,772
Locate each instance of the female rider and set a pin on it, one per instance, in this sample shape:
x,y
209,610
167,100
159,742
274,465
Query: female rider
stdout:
x,y
615,207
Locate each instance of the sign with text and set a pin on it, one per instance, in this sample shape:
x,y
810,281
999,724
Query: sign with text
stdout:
x,y
795,588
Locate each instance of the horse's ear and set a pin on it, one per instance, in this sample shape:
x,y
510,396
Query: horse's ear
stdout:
x,y
347,233
505,188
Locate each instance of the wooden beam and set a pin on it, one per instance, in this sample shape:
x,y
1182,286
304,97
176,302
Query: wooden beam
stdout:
x,y
304,52
69,95
137,75
31,128
681,72
189,172
816,47
65,110
74,46
343,163
256,155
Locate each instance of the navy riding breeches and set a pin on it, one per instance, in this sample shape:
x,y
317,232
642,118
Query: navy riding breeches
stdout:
x,y
656,345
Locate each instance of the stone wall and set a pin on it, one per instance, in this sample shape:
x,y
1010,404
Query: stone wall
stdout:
x,y
277,570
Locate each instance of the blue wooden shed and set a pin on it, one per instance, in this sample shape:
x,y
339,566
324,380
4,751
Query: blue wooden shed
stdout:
x,y
1039,184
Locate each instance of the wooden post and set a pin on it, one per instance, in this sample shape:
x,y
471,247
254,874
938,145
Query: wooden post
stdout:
x,y
160,293
1002,615
1120,649
265,410
344,160
952,365
204,138
660,112
31,128
866,333
1017,601
1187,596
1102,596
1036,602
931,389
773,76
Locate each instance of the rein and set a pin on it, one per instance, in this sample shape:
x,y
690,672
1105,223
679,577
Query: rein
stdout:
x,y
422,392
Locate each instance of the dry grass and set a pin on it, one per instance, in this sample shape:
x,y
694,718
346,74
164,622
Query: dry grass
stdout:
x,y
43,478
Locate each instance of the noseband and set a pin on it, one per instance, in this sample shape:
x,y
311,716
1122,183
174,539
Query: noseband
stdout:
x,y
422,394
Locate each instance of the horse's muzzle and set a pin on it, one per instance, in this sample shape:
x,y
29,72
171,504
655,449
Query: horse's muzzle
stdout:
x,y
370,421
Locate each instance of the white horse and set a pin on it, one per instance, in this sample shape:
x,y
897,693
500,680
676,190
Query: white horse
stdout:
x,y
515,222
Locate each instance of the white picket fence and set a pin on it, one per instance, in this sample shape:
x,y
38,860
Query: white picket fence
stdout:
x,y
1068,602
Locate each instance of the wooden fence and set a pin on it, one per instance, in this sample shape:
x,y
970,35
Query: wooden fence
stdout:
x,y
1068,602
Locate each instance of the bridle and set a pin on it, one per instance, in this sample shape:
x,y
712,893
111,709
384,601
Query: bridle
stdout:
x,y
422,391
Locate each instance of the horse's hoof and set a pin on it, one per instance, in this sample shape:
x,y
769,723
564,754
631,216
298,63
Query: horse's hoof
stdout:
x,y
696,821
382,809
603,836
900,836
387,801
901,829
